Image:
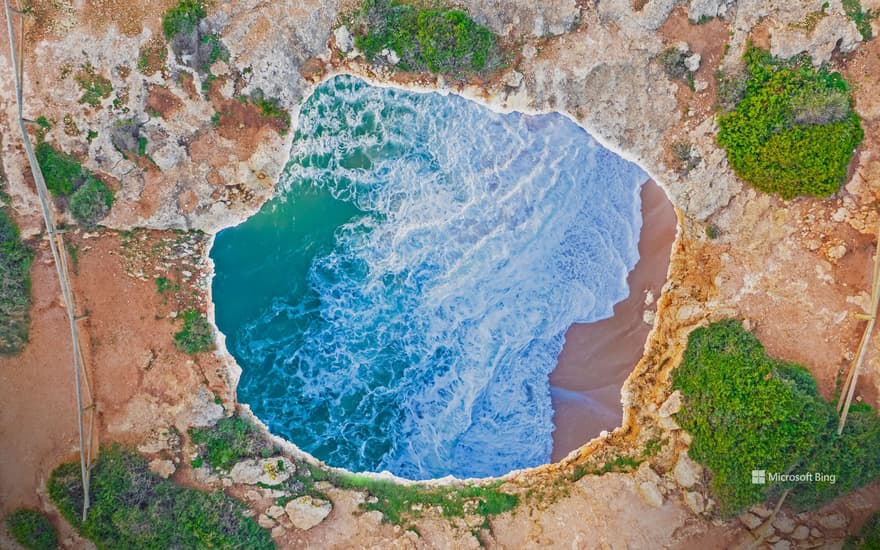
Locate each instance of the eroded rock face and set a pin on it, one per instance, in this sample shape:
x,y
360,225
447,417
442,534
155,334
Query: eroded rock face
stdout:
x,y
306,512
268,471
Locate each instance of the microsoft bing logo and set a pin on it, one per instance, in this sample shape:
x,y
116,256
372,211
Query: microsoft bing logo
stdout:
x,y
759,477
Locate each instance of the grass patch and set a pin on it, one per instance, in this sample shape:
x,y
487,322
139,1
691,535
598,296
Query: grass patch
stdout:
x,y
747,411
95,87
164,284
134,508
16,258
217,52
793,132
61,171
182,18
619,464
425,38
32,530
229,441
399,503
91,202
862,19
196,335
868,538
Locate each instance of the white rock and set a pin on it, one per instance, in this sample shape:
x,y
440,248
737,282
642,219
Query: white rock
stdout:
x,y
162,468
275,511
650,494
668,424
700,85
391,56
694,501
834,520
671,406
649,297
687,472
266,471
513,79
693,62
648,317
277,532
344,40
750,520
781,545
802,532
784,524
305,512
837,252
761,511
815,533
265,521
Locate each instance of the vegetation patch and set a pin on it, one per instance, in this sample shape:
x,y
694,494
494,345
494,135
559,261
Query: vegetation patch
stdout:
x,y
748,412
133,508
793,132
153,56
672,60
425,38
16,258
228,442
862,19
91,202
868,538
182,18
196,335
32,530
61,171
95,87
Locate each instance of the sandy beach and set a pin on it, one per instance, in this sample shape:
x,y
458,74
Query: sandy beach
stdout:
x,y
597,357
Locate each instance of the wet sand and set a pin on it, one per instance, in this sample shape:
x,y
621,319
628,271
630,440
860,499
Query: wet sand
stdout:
x,y
597,357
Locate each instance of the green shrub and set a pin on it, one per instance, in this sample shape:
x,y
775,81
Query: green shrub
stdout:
x,y
62,172
672,62
218,50
868,538
794,130
862,19
32,530
229,441
133,508
95,87
196,335
440,40
91,202
748,412
182,18
15,286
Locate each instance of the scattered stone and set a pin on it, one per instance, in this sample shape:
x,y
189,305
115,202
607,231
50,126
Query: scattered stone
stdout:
x,y
649,297
750,520
323,485
162,468
836,252
693,62
391,56
839,214
651,494
695,502
669,424
513,79
648,317
275,511
687,472
855,501
682,47
265,521
802,532
815,533
277,531
834,520
344,40
700,85
205,412
268,471
784,524
761,511
782,545
305,512
671,406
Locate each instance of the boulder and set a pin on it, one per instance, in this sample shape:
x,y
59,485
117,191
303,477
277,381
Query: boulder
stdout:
x,y
162,468
834,520
305,512
784,524
268,471
650,493
750,520
344,40
671,406
687,472
695,502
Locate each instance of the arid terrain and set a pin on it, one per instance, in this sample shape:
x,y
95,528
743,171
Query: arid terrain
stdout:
x,y
798,273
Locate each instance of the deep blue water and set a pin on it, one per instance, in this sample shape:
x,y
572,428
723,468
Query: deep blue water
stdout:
x,y
401,302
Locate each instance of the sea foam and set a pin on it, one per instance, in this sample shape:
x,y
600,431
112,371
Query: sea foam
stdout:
x,y
419,337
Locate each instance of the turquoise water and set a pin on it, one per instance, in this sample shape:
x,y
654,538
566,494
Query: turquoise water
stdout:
x,y
401,302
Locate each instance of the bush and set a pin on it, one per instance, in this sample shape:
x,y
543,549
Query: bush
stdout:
x,y
91,202
95,87
794,130
32,530
440,40
182,18
196,335
133,508
672,61
62,172
15,287
748,412
862,19
868,538
229,441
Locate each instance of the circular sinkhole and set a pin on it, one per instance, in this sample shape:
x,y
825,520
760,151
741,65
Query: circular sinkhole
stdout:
x,y
402,301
